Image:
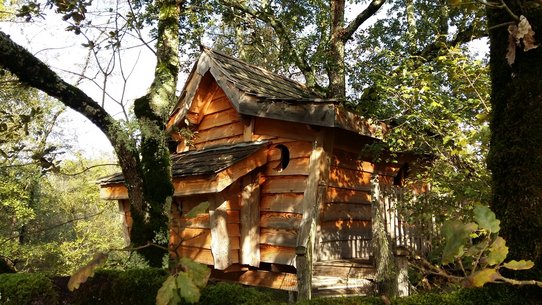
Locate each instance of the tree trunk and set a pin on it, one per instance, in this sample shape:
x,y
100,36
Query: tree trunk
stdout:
x,y
515,157
335,66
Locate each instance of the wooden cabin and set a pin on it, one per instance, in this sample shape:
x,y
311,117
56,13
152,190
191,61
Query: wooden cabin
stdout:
x,y
285,176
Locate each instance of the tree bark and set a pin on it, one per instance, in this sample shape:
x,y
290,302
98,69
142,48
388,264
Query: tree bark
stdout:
x,y
35,73
515,157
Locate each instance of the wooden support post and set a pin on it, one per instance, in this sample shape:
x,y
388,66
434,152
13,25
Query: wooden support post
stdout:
x,y
313,198
250,217
220,241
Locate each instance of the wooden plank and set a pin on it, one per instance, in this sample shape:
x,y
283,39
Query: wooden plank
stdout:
x,y
197,238
349,179
297,149
218,104
279,128
224,179
202,220
250,230
220,240
286,202
259,278
187,203
280,220
240,169
219,142
345,230
339,195
347,160
204,256
113,191
278,237
201,97
287,184
191,186
346,211
225,131
218,119
299,166
307,229
277,255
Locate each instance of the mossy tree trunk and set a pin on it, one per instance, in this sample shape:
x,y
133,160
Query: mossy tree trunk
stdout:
x,y
151,111
515,157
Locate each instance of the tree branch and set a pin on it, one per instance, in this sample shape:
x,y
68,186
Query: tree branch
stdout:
x,y
37,74
53,226
299,60
369,11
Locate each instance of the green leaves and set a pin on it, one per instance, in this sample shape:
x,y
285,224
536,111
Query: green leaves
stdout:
x,y
486,219
485,254
456,234
497,252
185,285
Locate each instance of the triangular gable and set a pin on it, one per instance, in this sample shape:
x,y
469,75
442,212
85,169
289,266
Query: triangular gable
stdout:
x,y
256,92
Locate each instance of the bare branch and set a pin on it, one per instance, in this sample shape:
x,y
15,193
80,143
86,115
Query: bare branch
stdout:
x,y
87,169
369,11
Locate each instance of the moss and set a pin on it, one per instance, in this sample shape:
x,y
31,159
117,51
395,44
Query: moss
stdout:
x,y
26,288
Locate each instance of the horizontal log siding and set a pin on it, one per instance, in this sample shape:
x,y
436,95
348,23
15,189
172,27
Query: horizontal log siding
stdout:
x,y
281,198
191,237
220,125
345,219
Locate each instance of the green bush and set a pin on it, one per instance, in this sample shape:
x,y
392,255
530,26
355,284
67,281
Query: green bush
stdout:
x,y
354,300
27,288
495,294
233,294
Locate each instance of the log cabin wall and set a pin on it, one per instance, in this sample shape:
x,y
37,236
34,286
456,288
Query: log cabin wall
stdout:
x,y
192,237
282,190
345,219
217,122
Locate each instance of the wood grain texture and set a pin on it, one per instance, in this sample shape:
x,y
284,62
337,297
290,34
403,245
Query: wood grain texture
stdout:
x,y
349,179
287,184
250,229
200,255
340,195
277,255
286,202
218,119
290,221
220,240
278,237
276,128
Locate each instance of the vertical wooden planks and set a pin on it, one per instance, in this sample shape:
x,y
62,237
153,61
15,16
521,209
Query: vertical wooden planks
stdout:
x,y
220,240
250,216
313,198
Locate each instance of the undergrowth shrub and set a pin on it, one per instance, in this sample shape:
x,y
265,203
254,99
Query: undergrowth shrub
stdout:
x,y
27,288
233,294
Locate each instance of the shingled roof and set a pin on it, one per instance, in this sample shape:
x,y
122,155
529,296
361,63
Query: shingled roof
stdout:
x,y
259,82
254,91
206,162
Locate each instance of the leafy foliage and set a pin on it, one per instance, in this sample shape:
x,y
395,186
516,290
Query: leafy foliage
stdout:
x,y
185,284
477,253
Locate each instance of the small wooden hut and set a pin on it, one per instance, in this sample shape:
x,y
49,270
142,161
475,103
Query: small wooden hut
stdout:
x,y
289,192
